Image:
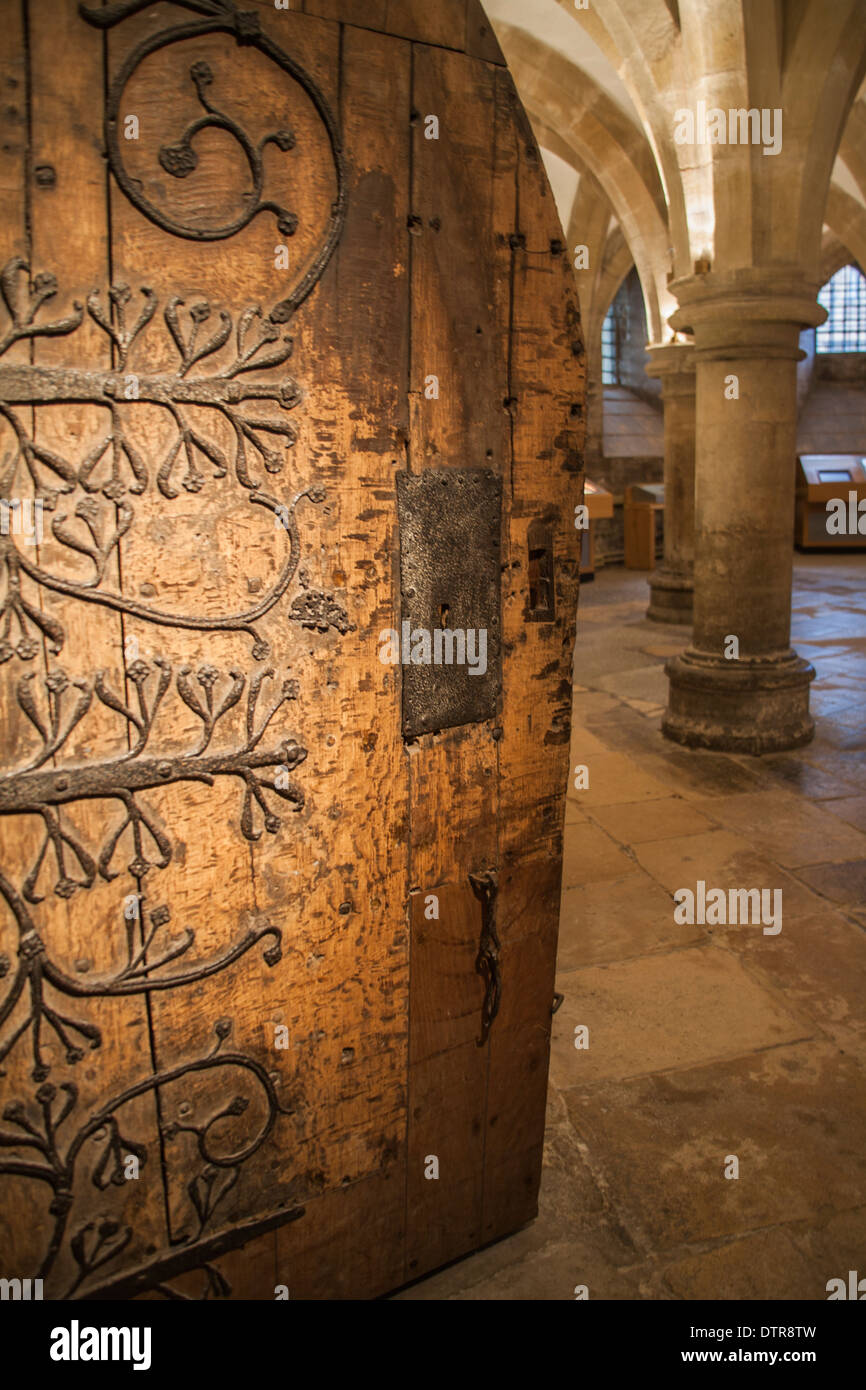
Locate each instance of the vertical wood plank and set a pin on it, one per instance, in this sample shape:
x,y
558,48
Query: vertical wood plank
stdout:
x,y
460,278
547,380
87,1043
23,1246
442,23
460,268
481,40
547,384
349,1243
528,922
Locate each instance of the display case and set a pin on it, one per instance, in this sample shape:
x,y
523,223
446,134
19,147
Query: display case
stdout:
x,y
831,502
644,513
599,504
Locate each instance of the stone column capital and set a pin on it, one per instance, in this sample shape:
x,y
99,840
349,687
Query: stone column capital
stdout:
x,y
751,312
674,365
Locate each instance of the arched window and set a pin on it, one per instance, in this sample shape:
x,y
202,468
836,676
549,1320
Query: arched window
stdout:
x,y
844,298
609,350
613,334
615,330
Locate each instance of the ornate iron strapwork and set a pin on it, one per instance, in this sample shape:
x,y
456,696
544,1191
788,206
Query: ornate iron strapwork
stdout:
x,y
180,159
224,373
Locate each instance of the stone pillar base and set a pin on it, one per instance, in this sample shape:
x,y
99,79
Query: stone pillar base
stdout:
x,y
758,705
671,598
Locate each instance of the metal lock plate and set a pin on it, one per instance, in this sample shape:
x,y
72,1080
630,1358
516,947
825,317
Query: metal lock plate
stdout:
x,y
450,523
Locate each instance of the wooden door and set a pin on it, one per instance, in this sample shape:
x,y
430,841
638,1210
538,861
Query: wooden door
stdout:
x,y
284,365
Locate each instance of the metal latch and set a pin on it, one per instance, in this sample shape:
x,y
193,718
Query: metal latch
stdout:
x,y
485,886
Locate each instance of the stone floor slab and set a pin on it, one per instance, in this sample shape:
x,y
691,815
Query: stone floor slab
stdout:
x,y
802,779
851,809
633,823
760,1266
614,778
584,745
589,856
723,860
617,919
698,774
681,1009
789,829
841,883
832,1244
819,962
794,1116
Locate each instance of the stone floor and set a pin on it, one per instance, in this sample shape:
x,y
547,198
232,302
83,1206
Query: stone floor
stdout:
x,y
703,1042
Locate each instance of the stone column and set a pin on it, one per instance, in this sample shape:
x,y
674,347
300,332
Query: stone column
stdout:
x,y
672,586
740,686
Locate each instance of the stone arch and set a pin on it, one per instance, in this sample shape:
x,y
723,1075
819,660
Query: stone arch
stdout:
x,y
832,42
846,217
834,254
747,209
852,147
643,43
617,263
558,96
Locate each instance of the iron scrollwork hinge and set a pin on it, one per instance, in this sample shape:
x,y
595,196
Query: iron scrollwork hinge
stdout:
x,y
485,886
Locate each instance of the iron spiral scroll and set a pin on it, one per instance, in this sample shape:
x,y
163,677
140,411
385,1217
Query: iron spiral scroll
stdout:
x,y
220,16
226,361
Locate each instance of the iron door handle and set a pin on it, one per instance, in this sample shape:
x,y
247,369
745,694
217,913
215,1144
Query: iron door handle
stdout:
x,y
485,886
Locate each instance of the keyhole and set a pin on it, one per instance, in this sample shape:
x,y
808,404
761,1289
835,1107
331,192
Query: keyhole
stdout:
x,y
444,610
